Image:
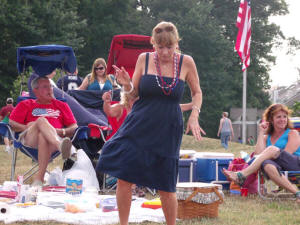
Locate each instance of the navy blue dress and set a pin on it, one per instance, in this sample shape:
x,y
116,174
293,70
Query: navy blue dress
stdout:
x,y
145,149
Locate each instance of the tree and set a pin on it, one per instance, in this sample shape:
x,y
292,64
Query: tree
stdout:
x,y
208,33
296,109
25,23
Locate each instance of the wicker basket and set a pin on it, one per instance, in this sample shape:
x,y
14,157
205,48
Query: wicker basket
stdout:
x,y
188,209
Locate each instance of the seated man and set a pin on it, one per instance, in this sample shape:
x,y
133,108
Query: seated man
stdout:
x,y
45,124
69,81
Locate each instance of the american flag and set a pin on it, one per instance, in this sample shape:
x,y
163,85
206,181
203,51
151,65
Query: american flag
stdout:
x,y
243,39
46,112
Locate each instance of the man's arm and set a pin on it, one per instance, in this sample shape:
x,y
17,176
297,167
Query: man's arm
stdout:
x,y
17,127
67,131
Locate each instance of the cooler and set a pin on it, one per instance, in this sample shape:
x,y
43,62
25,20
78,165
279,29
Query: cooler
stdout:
x,y
209,166
187,170
186,165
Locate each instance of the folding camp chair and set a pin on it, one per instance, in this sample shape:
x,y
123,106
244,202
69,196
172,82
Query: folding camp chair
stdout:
x,y
43,59
267,189
32,153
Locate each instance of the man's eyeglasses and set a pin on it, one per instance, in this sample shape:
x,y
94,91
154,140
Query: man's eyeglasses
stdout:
x,y
99,68
167,29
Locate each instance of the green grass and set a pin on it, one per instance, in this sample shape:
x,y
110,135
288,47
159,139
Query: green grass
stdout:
x,y
235,210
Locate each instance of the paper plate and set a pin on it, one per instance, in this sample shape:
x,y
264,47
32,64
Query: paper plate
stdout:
x,y
53,204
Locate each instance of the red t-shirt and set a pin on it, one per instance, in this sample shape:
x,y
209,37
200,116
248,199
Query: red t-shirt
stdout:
x,y
6,110
115,124
57,113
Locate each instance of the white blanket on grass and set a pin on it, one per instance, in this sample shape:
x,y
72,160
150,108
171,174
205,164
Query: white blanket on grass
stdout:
x,y
94,216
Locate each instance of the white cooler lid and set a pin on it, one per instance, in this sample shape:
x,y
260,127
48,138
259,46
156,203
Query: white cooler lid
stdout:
x,y
187,152
214,155
197,185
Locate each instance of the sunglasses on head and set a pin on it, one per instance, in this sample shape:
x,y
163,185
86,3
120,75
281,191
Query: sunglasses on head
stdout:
x,y
167,29
99,68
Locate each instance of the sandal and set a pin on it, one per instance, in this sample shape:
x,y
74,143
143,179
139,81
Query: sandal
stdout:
x,y
240,179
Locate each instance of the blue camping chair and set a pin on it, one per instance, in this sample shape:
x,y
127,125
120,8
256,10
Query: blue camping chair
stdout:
x,y
43,59
80,134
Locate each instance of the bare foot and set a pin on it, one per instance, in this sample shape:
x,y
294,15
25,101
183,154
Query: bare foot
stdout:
x,y
230,175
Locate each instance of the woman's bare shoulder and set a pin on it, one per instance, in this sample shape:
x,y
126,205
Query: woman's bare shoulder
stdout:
x,y
294,133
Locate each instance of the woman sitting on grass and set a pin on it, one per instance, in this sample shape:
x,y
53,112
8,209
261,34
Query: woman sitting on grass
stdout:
x,y
277,149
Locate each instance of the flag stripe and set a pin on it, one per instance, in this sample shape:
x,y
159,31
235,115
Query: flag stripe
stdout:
x,y
243,40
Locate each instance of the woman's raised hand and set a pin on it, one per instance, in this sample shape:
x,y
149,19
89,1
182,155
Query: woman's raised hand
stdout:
x,y
193,125
122,75
263,126
106,97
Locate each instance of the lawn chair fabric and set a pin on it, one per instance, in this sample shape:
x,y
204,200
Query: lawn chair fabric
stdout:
x,y
46,58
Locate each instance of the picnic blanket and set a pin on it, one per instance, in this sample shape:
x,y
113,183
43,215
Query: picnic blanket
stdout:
x,y
92,216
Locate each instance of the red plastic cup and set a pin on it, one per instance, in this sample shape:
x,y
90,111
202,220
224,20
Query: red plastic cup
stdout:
x,y
244,192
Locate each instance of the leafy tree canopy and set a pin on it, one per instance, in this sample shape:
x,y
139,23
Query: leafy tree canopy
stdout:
x,y
207,29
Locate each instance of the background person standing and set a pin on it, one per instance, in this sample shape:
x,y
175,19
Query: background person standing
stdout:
x,y
69,81
226,130
4,117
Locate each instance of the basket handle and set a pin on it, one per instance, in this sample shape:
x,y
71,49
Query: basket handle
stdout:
x,y
218,194
196,190
214,189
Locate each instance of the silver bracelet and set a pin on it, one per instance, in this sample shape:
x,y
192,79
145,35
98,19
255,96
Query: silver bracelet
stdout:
x,y
197,108
131,89
63,132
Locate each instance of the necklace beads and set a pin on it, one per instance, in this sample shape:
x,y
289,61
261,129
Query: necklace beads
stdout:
x,y
167,88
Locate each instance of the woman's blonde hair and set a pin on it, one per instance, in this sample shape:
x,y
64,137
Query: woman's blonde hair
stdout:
x,y
225,114
124,100
165,33
271,111
97,62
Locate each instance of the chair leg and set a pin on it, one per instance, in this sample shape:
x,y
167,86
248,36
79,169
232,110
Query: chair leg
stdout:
x,y
30,172
13,164
152,191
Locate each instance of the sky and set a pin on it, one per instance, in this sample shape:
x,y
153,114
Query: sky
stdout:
x,y
285,71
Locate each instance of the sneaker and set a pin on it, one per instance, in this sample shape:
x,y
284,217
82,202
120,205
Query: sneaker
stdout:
x,y
8,149
65,148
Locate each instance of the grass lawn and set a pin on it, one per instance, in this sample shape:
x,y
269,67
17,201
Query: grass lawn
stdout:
x,y
235,209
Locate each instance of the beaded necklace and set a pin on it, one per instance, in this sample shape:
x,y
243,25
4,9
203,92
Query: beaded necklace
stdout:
x,y
167,88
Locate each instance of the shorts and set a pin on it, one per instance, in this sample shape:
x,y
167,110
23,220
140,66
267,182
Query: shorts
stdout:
x,y
21,138
22,135
284,162
7,134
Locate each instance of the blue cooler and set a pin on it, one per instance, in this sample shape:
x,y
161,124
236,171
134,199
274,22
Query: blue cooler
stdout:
x,y
187,170
186,165
209,167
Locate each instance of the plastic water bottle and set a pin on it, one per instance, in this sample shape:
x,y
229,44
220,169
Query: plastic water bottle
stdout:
x,y
245,156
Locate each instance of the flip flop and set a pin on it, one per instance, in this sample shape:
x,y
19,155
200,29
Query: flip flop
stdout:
x,y
240,177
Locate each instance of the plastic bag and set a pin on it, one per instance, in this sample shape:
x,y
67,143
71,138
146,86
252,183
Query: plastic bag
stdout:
x,y
55,177
84,170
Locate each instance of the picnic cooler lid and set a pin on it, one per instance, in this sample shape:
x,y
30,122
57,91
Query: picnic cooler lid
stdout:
x,y
204,193
214,155
186,154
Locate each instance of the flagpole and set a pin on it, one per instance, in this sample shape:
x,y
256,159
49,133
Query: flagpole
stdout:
x,y
244,106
